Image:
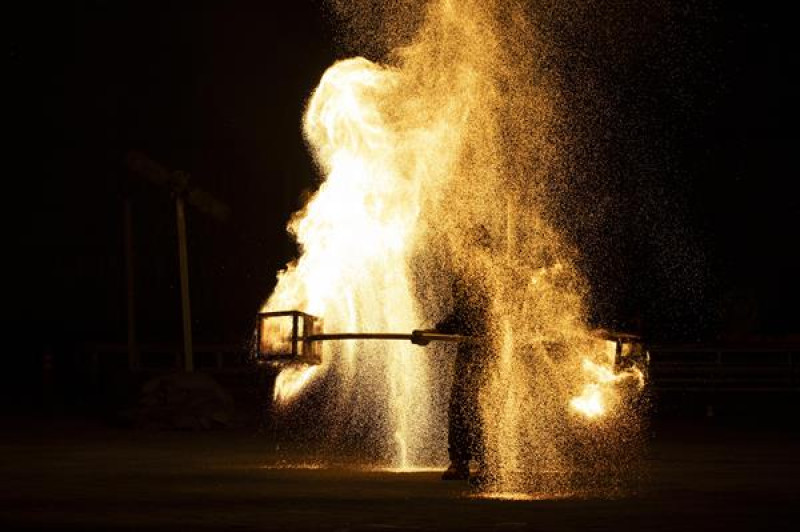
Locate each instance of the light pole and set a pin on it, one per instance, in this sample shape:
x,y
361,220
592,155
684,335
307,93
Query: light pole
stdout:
x,y
178,184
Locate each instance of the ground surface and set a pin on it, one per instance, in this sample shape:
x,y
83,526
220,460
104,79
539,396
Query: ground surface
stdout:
x,y
701,476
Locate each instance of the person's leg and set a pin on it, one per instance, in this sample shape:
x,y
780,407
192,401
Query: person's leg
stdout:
x,y
476,426
475,431
477,446
458,437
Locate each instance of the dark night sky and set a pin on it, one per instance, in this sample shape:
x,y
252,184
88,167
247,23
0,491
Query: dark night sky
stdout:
x,y
703,107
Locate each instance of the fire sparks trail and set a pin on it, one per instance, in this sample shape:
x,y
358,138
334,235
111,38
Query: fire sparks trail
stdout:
x,y
290,381
454,133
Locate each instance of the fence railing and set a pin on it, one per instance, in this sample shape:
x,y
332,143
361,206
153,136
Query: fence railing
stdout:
x,y
686,368
694,368
155,357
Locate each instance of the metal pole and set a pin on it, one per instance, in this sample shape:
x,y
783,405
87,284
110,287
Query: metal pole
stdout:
x,y
419,336
184,264
133,350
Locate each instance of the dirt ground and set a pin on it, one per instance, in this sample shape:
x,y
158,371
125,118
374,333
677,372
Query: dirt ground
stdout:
x,y
700,475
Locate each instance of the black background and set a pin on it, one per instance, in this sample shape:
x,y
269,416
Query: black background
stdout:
x,y
694,115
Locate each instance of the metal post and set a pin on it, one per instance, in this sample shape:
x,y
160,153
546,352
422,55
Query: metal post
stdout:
x,y
134,362
184,265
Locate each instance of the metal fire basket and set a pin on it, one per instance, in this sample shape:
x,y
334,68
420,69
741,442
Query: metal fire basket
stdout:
x,y
630,348
291,336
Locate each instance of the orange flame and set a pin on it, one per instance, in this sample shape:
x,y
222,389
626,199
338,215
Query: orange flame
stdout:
x,y
601,392
357,235
291,380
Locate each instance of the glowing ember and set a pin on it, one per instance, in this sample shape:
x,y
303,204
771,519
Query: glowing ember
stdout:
x,y
519,496
303,465
456,133
405,470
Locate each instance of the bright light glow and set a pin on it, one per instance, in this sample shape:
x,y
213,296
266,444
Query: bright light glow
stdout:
x,y
291,380
460,131
600,391
591,402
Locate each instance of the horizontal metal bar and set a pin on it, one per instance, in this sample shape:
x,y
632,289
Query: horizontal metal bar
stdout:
x,y
717,389
432,336
415,337
357,336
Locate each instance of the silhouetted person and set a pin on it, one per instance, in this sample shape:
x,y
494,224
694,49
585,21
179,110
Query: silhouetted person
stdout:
x,y
469,317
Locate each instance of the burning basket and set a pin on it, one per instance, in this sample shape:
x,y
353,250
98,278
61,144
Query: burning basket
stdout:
x,y
286,336
291,336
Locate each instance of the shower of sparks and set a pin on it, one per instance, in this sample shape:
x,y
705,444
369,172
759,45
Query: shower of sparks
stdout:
x,y
451,133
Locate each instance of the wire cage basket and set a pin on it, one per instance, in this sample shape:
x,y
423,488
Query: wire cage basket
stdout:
x,y
286,337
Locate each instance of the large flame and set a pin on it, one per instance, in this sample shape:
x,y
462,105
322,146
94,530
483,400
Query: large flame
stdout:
x,y
456,132
358,234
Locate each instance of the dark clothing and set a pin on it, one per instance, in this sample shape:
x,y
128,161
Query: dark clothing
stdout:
x,y
469,317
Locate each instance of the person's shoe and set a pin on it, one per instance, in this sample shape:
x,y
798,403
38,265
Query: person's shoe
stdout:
x,y
481,478
456,471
